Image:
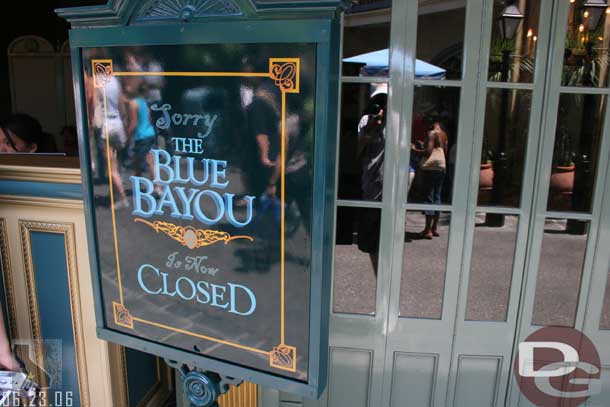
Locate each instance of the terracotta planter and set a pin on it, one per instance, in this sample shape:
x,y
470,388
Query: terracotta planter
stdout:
x,y
562,180
486,178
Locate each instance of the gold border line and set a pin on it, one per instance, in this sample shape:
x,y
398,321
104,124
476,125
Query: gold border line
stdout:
x,y
116,240
209,338
282,197
216,74
282,187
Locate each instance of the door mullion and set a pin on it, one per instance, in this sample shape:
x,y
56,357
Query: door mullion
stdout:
x,y
390,213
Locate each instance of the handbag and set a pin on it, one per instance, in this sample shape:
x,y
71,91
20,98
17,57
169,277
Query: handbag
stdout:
x,y
435,161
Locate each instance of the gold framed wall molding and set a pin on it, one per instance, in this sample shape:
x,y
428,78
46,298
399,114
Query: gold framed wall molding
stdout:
x,y
97,382
7,280
118,369
36,201
67,230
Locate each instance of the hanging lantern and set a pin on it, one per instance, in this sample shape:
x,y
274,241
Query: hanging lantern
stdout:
x,y
510,20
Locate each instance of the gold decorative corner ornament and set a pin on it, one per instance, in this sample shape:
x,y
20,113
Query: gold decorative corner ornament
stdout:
x,y
122,316
286,73
102,72
284,357
191,237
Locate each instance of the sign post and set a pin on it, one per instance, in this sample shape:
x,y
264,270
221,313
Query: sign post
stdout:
x,y
207,143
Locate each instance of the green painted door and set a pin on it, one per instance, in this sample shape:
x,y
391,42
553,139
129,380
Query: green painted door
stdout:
x,y
515,219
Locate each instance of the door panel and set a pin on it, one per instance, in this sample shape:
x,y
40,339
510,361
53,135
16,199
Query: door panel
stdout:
x,y
430,329
436,322
566,232
413,379
350,369
480,373
509,109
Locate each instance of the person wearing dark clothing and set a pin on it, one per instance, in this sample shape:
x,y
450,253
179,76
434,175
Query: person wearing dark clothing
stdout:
x,y
263,123
371,135
21,133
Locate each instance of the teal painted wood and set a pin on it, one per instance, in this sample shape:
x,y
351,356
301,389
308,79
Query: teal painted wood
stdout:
x,y
41,189
123,12
141,374
210,33
187,10
53,296
314,22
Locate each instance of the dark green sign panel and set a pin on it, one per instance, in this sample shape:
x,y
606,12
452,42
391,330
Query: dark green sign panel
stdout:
x,y
204,220
207,142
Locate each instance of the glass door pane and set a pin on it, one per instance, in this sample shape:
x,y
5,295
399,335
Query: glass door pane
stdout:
x,y
559,274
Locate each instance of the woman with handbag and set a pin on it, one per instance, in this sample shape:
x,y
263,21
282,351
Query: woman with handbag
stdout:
x,y
433,167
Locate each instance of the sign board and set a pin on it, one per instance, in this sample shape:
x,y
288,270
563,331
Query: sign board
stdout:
x,y
209,198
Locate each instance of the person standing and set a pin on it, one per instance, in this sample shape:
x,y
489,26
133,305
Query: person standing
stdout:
x,y
433,168
371,148
112,134
141,129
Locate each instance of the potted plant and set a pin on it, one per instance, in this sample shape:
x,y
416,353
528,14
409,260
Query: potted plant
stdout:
x,y
562,175
486,176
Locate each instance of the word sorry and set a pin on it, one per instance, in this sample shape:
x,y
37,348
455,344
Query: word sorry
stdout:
x,y
184,119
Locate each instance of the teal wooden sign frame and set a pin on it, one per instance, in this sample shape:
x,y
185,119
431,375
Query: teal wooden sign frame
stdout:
x,y
161,23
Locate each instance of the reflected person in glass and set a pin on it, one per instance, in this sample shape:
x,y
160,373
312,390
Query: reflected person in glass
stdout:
x,y
141,129
371,150
433,167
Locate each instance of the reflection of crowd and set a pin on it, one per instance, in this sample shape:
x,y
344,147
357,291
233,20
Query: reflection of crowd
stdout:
x,y
121,128
430,170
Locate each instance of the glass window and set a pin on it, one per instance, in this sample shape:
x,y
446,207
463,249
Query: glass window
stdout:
x,y
560,271
491,268
587,42
512,54
435,123
577,141
356,257
440,51
424,263
362,141
366,38
504,147
39,119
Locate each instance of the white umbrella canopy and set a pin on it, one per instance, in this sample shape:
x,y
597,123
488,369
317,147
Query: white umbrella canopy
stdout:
x,y
376,63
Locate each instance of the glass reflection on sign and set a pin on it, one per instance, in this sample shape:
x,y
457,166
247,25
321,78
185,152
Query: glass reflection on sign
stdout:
x,y
202,156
